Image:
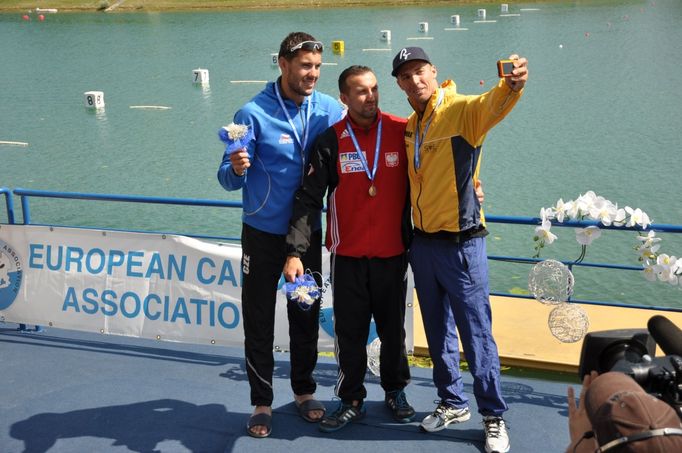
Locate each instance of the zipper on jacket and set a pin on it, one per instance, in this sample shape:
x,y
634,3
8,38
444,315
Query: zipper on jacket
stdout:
x,y
421,219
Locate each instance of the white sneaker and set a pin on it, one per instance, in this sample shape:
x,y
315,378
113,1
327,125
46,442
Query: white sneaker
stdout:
x,y
496,436
443,416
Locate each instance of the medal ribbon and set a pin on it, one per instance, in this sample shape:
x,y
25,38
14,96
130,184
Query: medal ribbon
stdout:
x,y
362,156
418,141
306,129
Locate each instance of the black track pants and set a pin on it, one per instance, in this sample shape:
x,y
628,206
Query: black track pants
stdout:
x,y
263,258
362,288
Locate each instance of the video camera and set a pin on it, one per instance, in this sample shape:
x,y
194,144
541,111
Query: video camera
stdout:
x,y
632,351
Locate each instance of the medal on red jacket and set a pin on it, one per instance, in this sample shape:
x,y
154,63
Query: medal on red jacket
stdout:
x,y
361,156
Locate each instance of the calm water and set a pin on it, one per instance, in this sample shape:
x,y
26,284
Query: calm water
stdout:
x,y
601,112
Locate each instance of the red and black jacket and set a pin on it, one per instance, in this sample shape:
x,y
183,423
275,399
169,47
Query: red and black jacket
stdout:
x,y
358,224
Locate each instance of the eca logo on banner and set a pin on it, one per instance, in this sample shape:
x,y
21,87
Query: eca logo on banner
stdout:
x,y
11,272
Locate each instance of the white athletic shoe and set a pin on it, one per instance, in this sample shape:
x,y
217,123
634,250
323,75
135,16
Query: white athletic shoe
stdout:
x,y
496,435
443,416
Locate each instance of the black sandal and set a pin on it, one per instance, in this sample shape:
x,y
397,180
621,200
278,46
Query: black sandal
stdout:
x,y
308,406
261,419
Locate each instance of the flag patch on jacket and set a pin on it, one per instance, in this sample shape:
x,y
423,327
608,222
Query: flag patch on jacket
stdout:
x,y
285,139
392,159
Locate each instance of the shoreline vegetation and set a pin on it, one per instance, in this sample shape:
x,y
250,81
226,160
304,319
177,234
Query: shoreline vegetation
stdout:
x,y
209,5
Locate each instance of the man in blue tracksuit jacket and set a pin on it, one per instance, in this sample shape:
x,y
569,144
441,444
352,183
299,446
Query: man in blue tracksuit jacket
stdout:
x,y
285,118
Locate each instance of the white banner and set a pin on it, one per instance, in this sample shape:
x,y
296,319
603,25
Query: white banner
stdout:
x,y
164,287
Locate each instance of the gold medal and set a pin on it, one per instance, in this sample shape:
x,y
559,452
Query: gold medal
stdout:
x,y
372,190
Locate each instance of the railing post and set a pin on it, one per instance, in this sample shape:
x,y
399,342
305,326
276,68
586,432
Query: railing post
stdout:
x,y
570,268
25,210
9,202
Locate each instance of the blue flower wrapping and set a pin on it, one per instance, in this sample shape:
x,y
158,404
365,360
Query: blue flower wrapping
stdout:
x,y
303,291
234,145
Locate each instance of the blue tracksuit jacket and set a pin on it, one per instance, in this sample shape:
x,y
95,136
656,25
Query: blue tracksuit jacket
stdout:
x,y
277,161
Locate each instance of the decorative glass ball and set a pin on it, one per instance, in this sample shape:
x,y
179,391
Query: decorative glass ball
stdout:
x,y
568,322
551,282
373,353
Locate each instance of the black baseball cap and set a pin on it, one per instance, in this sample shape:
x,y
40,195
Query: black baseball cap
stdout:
x,y
408,54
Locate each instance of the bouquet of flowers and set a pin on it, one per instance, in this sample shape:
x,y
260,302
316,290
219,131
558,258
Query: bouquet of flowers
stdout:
x,y
235,136
303,291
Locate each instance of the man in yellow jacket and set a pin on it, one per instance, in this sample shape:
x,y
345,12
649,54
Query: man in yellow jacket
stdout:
x,y
444,137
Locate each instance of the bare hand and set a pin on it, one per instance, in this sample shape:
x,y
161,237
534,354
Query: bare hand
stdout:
x,y
519,75
240,161
578,422
479,191
293,268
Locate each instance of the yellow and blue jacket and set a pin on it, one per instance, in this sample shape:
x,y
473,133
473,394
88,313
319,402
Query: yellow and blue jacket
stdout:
x,y
442,189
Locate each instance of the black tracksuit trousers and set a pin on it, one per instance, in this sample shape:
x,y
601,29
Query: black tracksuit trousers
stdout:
x,y
263,258
364,288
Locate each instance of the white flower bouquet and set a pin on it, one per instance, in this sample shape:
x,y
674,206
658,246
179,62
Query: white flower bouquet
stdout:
x,y
303,291
235,136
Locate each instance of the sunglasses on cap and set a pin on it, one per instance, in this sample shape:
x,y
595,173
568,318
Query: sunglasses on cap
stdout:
x,y
308,45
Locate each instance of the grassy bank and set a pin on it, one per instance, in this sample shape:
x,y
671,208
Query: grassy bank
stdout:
x,y
180,5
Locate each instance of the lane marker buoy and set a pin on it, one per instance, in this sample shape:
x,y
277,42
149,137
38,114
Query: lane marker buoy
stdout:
x,y
150,107
11,143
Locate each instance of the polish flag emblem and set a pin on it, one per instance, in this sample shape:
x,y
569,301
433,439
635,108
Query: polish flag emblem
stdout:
x,y
392,159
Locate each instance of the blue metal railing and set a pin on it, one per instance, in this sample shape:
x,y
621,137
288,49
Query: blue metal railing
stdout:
x,y
9,204
658,227
26,194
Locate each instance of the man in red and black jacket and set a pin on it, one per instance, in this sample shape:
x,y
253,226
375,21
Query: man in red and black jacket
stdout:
x,y
360,163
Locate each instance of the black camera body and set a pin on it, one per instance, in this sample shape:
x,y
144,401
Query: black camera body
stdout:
x,y
632,352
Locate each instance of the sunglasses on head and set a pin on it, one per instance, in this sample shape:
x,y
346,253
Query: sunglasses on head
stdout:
x,y
308,45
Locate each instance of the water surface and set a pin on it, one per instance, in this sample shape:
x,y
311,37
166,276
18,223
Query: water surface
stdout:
x,y
601,112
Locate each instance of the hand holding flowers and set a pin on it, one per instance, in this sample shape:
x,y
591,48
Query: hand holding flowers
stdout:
x,y
237,137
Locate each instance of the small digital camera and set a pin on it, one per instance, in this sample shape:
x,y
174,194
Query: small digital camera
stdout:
x,y
505,68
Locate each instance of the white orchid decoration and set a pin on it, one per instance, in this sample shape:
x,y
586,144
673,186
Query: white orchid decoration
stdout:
x,y
543,235
590,206
585,236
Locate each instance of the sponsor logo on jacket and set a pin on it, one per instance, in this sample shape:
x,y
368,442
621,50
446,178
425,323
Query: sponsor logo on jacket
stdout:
x,y
285,139
350,162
